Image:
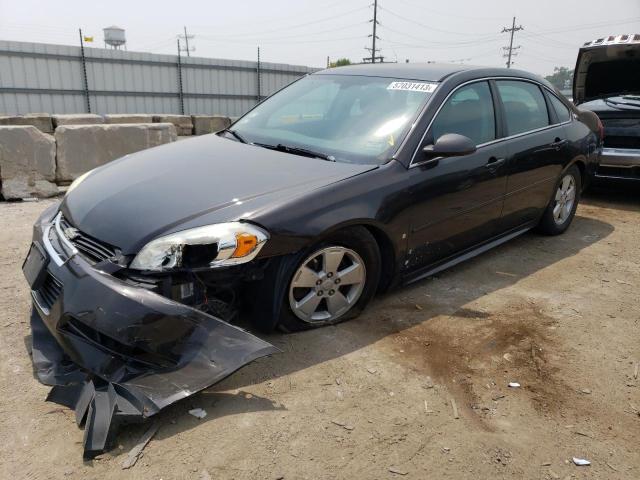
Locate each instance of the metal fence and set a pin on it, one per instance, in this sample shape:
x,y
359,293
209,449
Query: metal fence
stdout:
x,y
36,77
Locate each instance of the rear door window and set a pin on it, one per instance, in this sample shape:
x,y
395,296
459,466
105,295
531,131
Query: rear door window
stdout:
x,y
469,112
524,106
560,108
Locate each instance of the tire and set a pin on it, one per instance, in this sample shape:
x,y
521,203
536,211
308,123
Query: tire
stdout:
x,y
360,256
559,213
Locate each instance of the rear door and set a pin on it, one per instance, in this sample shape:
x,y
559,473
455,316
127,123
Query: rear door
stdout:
x,y
537,150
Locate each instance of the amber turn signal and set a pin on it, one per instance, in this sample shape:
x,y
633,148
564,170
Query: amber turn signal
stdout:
x,y
245,244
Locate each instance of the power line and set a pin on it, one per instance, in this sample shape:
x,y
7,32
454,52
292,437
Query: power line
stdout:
x,y
474,17
430,27
511,48
587,26
430,43
246,42
289,27
253,39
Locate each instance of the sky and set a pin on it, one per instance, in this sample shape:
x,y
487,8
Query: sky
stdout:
x,y
305,32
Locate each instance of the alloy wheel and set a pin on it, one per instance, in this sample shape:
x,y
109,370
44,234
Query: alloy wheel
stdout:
x,y
327,285
565,199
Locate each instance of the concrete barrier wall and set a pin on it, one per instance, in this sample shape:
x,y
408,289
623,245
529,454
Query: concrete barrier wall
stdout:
x,y
42,121
80,148
33,163
27,162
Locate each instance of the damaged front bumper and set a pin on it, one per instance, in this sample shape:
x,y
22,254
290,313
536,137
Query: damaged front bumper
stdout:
x,y
117,353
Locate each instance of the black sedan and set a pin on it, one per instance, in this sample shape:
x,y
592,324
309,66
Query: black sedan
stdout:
x,y
347,182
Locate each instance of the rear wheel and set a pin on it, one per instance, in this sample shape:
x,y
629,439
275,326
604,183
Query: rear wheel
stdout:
x,y
562,208
333,282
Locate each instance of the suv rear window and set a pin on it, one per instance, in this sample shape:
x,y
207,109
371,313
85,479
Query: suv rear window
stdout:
x,y
524,106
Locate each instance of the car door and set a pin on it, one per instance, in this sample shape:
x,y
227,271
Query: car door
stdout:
x,y
537,150
457,201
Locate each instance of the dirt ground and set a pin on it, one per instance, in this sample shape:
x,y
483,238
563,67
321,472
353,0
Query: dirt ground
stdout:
x,y
374,398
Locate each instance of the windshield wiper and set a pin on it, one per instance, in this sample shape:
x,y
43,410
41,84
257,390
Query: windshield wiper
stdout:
x,y
298,151
235,135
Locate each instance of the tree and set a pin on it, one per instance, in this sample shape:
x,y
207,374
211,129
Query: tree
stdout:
x,y
341,62
562,78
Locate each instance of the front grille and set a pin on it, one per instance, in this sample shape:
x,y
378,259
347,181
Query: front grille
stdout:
x,y
93,250
49,292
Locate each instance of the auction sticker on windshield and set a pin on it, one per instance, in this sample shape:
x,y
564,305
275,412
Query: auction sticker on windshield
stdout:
x,y
413,86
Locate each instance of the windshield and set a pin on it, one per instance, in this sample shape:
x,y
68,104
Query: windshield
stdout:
x,y
352,119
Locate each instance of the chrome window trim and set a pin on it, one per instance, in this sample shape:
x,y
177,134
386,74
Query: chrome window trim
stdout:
x,y
413,163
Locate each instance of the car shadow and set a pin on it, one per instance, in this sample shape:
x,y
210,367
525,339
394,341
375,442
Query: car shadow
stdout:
x,y
388,314
396,311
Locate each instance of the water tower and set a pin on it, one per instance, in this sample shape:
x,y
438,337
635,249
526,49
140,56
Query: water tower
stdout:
x,y
114,37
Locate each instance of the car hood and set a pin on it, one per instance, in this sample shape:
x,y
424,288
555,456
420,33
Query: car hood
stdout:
x,y
191,183
606,71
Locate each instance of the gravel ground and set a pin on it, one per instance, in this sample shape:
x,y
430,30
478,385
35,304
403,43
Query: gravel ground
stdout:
x,y
375,398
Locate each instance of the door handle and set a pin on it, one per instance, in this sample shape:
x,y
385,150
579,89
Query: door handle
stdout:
x,y
494,162
557,143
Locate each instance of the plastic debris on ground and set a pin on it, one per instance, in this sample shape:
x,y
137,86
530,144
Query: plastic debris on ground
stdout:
x,y
198,413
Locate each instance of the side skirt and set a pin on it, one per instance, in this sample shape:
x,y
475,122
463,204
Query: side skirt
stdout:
x,y
432,270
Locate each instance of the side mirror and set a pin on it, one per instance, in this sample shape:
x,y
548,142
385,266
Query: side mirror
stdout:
x,y
450,145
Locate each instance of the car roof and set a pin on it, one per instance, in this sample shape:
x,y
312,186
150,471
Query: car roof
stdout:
x,y
431,72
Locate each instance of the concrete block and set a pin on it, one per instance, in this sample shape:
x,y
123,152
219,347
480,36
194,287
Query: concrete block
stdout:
x,y
27,163
127,118
42,121
76,119
83,147
203,124
183,123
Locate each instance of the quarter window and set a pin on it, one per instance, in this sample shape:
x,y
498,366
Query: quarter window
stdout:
x,y
469,112
524,106
561,109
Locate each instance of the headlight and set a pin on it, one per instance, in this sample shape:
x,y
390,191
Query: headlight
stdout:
x,y
218,245
77,181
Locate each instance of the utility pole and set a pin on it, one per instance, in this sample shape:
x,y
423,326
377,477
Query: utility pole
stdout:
x,y
511,48
259,78
84,73
186,38
374,37
180,92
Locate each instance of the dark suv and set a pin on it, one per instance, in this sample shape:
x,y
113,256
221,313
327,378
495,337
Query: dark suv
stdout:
x,y
607,82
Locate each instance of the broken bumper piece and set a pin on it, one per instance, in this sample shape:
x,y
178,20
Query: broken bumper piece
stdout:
x,y
118,354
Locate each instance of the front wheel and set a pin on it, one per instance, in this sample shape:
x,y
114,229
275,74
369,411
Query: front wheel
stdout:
x,y
562,208
333,282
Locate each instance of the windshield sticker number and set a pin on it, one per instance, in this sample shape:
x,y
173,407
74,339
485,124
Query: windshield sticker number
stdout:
x,y
413,86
